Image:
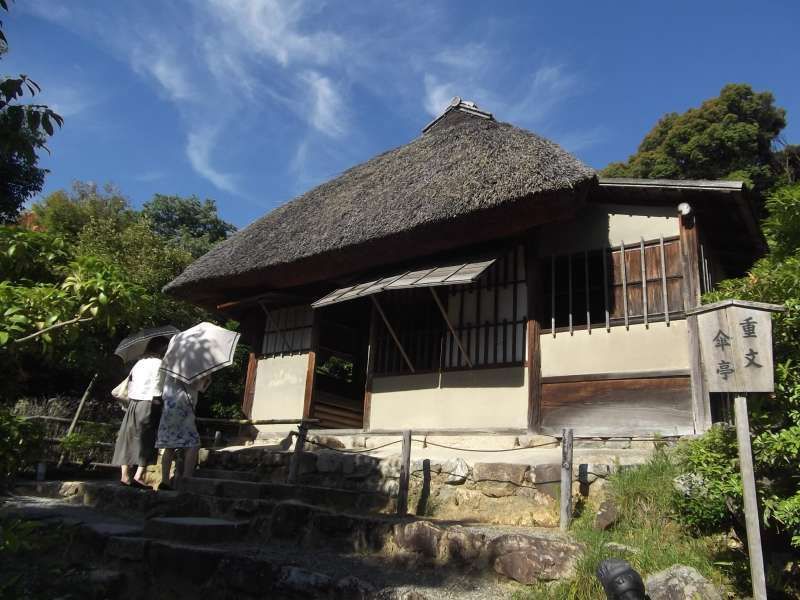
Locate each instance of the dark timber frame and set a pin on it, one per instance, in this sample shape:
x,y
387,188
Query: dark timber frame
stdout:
x,y
690,261
534,329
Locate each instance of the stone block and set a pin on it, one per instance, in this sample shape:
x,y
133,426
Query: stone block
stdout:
x,y
196,530
353,588
457,471
499,479
680,583
290,519
326,440
607,515
547,479
420,537
618,444
126,548
527,558
329,461
463,545
304,583
248,575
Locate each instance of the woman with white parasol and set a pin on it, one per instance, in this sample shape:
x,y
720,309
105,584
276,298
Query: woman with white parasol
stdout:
x,y
191,358
142,391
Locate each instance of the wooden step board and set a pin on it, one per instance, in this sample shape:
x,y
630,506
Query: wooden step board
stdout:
x,y
336,412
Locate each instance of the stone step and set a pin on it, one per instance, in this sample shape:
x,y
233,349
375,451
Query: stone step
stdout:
x,y
226,474
195,530
347,500
292,528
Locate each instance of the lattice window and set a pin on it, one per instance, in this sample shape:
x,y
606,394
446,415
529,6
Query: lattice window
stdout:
x,y
613,286
287,330
489,317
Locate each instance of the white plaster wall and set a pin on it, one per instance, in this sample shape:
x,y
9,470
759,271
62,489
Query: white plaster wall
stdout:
x,y
280,390
479,399
603,225
655,348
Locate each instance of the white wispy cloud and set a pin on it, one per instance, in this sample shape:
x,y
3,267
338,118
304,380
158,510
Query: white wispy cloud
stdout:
x,y
200,145
326,112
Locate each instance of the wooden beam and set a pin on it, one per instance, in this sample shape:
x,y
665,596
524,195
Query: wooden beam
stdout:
x,y
372,350
456,337
392,332
690,266
533,281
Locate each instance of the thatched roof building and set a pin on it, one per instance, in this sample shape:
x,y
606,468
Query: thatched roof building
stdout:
x,y
466,176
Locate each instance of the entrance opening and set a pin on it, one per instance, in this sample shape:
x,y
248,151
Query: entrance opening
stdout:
x,y
341,365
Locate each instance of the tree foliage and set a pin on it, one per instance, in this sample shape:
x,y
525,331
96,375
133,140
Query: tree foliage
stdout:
x,y
65,214
94,268
727,137
24,129
187,222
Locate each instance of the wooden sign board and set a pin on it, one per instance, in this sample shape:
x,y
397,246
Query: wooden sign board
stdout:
x,y
736,345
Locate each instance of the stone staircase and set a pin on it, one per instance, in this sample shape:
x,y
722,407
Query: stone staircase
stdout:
x,y
237,529
225,530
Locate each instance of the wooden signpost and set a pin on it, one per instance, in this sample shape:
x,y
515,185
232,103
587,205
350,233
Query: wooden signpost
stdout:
x,y
736,351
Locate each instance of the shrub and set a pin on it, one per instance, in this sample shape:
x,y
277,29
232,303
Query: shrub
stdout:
x,y
21,442
712,486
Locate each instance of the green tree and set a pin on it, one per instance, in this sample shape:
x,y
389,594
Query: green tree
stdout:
x,y
193,225
24,129
67,214
727,137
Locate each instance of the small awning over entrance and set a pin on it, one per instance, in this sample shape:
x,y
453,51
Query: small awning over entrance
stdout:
x,y
454,274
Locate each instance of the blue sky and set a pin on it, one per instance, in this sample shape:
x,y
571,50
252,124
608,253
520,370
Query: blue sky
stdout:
x,y
252,102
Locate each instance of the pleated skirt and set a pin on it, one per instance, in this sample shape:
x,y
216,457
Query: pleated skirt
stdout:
x,y
136,440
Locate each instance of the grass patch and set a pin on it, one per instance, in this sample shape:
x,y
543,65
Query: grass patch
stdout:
x,y
648,524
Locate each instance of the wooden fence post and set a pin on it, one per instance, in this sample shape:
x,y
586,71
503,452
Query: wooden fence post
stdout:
x,y
78,415
405,473
294,465
750,500
566,478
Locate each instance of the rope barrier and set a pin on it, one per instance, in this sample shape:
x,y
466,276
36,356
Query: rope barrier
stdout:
x,y
484,450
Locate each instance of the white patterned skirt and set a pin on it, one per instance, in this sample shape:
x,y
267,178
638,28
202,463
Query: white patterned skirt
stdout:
x,y
177,428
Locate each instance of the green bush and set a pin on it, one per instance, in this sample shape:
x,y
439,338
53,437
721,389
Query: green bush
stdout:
x,y
711,482
21,442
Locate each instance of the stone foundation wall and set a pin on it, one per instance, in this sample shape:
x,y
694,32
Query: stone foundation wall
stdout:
x,y
487,492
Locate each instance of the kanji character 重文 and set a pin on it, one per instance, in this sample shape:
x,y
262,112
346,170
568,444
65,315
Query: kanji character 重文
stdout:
x,y
722,339
751,359
724,369
749,327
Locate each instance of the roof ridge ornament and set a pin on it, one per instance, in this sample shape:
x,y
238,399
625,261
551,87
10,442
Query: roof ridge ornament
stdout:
x,y
467,106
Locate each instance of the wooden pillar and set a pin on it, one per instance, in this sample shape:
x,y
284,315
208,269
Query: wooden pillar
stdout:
x,y
690,264
405,474
371,351
750,499
533,282
312,365
566,479
250,385
297,455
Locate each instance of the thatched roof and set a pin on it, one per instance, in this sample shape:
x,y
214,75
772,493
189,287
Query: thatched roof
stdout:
x,y
464,163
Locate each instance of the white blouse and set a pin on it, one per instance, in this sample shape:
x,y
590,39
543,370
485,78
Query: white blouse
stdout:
x,y
146,379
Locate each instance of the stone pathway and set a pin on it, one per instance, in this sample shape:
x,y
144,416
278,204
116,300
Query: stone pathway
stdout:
x,y
131,543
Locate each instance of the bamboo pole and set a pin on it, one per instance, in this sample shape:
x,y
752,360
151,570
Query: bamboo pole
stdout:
x,y
77,415
750,499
